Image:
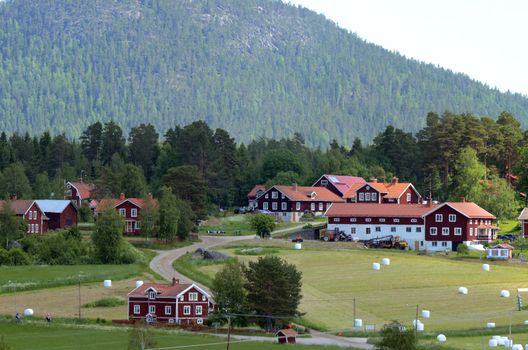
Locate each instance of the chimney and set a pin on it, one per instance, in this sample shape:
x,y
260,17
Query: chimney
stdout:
x,y
121,196
175,281
462,199
394,180
13,197
295,187
373,179
430,202
150,195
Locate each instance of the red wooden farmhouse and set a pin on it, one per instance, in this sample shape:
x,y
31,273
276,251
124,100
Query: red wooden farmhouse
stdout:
x,y
393,192
289,203
339,184
79,192
176,303
252,196
424,226
61,214
523,220
129,209
28,210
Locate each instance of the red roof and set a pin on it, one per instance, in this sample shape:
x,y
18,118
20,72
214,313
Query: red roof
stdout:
x,y
470,210
163,289
309,193
504,246
115,202
83,189
19,206
343,182
254,191
377,210
391,189
288,332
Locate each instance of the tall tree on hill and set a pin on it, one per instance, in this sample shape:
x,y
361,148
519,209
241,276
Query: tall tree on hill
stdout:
x,y
194,146
5,151
469,176
113,142
108,236
143,148
229,293
224,169
92,142
133,183
169,215
15,181
281,160
149,217
11,226
510,129
187,183
397,152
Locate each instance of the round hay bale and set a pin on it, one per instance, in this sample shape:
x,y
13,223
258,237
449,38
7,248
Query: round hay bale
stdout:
x,y
504,293
376,266
462,290
385,261
517,347
485,267
442,338
107,283
139,284
28,312
490,325
297,246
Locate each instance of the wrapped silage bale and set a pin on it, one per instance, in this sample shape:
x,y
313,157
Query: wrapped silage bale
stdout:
x,y
376,266
492,343
426,313
139,284
485,267
441,338
385,261
504,293
28,312
107,283
490,325
462,290
358,323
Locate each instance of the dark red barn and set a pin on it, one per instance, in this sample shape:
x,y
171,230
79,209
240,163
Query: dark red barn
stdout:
x,y
61,213
178,303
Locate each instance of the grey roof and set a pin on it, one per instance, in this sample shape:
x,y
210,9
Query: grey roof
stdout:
x,y
52,205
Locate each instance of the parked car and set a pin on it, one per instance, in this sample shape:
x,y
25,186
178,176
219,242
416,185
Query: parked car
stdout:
x,y
507,237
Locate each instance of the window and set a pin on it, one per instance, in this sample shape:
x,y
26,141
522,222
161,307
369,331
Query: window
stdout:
x,y
444,244
321,206
367,197
367,230
435,244
37,228
136,309
378,229
284,206
204,298
32,228
352,219
470,222
133,212
374,197
283,196
29,228
274,194
471,231
458,231
361,197
265,205
266,196
168,310
198,310
324,182
298,206
353,230
136,225
439,218
432,231
122,211
381,220
393,229
421,243
368,219
187,310
152,294
152,309
409,198
408,229
31,215
274,206
337,219
193,296
413,220
445,231
452,217
312,207
395,220
418,229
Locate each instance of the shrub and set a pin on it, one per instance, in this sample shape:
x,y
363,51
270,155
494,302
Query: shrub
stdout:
x,y
4,257
106,302
18,257
395,337
462,250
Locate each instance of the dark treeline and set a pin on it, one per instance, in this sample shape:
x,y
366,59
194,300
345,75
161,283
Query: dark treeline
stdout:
x,y
453,156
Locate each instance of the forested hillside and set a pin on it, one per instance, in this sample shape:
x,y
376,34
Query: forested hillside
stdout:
x,y
252,67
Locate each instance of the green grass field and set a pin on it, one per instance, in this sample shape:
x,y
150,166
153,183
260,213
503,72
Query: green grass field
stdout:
x,y
93,337
233,223
332,279
509,226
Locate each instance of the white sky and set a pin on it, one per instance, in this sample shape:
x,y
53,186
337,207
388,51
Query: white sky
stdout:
x,y
486,39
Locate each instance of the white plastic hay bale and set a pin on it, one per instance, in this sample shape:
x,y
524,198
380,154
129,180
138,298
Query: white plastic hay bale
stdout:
x,y
526,347
517,347
107,283
385,261
496,337
504,341
28,312
414,322
376,266
492,343
139,284
358,322
504,293
490,325
442,338
426,313
462,290
485,267
420,327
297,246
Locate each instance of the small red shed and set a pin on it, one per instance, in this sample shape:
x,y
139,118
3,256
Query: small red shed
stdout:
x,y
286,336
61,213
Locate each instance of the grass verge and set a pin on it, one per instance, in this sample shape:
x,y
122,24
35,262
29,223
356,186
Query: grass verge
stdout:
x,y
106,302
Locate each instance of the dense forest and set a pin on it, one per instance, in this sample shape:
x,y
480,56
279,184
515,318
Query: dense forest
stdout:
x,y
453,156
256,68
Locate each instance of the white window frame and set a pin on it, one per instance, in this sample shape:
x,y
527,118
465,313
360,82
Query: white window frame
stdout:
x,y
321,206
133,212
36,228
382,220
337,219
284,206
353,230
274,206
152,309
353,219
266,196
312,206
198,310
409,198
458,231
137,309
274,194
367,197
470,221
361,197
452,217
395,220
324,182
414,220
408,229
471,231
31,215
193,296
265,205
368,219
367,230
435,244
168,309
418,229
444,244
374,196
439,218
298,206
187,310
378,229
445,231
433,231
122,211
152,295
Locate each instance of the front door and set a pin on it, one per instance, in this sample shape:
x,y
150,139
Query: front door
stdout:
x,y
129,226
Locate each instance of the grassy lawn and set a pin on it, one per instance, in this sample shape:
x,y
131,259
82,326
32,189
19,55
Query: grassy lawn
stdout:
x,y
93,337
333,278
46,276
143,242
509,226
233,223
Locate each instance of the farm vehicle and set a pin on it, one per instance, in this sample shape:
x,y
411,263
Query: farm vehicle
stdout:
x,y
388,242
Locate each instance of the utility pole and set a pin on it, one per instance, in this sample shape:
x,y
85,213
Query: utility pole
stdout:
x,y
79,297
228,330
416,324
354,312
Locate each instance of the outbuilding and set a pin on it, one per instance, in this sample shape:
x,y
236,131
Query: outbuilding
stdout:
x,y
61,213
286,336
500,251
